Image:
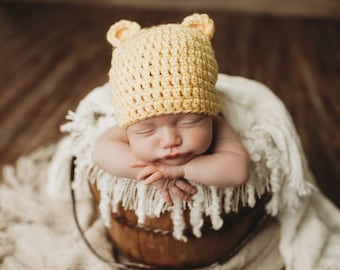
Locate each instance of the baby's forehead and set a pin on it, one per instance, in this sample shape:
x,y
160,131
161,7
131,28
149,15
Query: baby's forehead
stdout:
x,y
166,119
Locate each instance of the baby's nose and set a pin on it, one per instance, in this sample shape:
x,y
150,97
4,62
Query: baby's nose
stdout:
x,y
170,137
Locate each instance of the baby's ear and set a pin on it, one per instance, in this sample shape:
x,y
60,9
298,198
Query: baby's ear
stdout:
x,y
120,31
201,22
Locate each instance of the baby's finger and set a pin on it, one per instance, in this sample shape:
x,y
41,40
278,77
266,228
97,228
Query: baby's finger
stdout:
x,y
179,193
186,187
136,163
146,172
167,197
153,178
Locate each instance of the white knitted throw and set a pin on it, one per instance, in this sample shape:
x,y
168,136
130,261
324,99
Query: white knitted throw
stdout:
x,y
37,229
310,224
266,131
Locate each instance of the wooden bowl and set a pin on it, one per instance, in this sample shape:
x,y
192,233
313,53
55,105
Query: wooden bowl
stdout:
x,y
152,243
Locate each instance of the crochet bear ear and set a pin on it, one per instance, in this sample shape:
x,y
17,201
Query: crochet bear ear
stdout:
x,y
201,22
120,31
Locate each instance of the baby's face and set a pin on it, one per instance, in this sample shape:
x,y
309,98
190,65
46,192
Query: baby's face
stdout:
x,y
171,139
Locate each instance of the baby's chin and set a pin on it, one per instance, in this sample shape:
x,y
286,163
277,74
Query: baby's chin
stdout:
x,y
175,161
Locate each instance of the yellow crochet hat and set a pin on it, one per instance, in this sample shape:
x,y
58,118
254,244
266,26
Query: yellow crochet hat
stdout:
x,y
165,69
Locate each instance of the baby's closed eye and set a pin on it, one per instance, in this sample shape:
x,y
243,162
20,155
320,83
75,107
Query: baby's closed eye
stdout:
x,y
188,120
145,131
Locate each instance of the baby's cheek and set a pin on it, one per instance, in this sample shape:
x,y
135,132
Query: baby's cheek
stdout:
x,y
200,141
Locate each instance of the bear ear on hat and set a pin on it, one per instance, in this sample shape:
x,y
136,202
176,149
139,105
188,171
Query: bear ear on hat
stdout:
x,y
120,31
200,22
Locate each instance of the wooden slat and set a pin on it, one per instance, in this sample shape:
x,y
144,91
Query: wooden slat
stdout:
x,y
305,8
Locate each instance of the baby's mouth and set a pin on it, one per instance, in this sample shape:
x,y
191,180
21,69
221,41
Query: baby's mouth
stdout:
x,y
176,156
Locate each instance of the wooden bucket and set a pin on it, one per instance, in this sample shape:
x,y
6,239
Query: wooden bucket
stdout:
x,y
152,243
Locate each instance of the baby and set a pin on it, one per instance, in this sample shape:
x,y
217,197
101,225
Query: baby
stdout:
x,y
170,130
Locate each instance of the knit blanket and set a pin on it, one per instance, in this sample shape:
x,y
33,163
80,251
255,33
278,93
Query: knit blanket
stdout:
x,y
35,200
38,232
277,159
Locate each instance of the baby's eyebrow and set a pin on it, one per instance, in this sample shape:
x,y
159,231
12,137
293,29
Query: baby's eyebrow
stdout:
x,y
143,125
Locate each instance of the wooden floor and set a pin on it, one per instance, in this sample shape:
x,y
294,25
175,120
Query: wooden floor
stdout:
x,y
52,55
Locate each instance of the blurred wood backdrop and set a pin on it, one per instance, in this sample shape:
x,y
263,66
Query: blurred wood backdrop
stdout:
x,y
52,55
302,8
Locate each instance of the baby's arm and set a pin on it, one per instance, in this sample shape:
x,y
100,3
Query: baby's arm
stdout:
x,y
226,166
111,152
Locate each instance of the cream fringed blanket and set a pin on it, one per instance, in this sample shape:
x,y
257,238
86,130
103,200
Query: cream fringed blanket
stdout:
x,y
35,195
37,231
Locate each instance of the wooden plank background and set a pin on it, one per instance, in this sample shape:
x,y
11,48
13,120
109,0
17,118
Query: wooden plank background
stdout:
x,y
302,8
52,55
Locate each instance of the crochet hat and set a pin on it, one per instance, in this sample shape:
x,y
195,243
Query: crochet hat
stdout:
x,y
165,69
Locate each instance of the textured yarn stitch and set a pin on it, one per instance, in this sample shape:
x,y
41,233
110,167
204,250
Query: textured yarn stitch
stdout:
x,y
164,69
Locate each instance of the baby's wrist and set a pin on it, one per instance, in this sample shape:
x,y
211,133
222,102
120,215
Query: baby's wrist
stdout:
x,y
185,171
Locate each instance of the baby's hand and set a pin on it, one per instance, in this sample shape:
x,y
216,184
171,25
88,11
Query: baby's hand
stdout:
x,y
167,180
180,188
157,171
